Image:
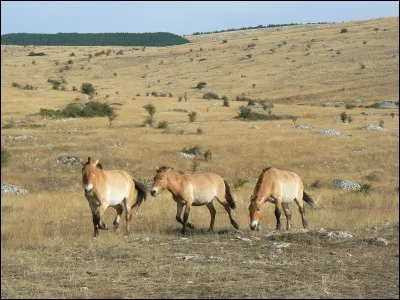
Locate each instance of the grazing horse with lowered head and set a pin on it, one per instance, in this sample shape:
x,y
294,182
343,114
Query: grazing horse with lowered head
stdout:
x,y
280,188
104,188
194,190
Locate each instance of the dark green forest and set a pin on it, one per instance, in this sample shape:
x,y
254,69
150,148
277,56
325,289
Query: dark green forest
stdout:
x,y
157,39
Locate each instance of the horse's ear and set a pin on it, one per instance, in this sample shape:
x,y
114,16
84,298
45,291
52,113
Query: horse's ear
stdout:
x,y
82,162
157,169
96,162
169,169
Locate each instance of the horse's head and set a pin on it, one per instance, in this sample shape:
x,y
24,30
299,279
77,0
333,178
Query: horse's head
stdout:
x,y
160,180
255,210
89,171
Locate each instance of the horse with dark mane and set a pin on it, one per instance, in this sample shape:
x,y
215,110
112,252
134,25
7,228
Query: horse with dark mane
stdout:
x,y
280,188
115,188
194,190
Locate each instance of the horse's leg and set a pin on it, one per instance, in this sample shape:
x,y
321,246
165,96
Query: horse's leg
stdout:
x,y
100,214
119,210
186,215
95,225
288,214
212,210
302,210
179,208
278,214
228,210
128,215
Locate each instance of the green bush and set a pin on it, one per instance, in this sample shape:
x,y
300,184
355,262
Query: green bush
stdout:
x,y
74,110
365,188
344,116
244,112
149,120
192,116
36,53
87,88
195,150
208,155
201,85
211,95
162,125
150,108
5,157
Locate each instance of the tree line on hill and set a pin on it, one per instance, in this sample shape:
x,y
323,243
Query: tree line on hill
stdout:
x,y
157,39
256,27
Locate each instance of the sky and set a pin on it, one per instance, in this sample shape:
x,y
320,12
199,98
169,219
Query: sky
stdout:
x,y
179,17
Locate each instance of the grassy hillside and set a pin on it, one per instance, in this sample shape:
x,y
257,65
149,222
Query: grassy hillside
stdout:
x,y
309,75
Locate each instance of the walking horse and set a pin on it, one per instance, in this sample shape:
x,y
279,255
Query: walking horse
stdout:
x,y
115,188
194,190
280,188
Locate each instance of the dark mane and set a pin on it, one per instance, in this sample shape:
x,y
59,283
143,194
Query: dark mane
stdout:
x,y
164,168
259,181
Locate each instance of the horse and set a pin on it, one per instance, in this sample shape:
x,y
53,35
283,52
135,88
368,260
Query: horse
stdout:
x,y
280,188
194,190
104,188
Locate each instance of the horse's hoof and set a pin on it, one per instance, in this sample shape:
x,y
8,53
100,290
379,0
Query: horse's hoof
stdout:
x,y
210,230
190,225
235,225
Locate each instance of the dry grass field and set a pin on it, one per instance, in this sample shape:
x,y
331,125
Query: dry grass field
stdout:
x,y
351,249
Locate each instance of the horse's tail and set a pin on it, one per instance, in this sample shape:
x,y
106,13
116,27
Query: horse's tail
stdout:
x,y
229,197
141,193
308,199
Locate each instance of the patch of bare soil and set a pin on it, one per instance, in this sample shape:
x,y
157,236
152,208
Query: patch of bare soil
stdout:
x,y
228,264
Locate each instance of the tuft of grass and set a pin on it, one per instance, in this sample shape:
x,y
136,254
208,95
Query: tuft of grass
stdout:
x,y
240,182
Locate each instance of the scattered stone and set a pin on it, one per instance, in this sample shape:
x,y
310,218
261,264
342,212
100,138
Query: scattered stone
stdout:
x,y
335,103
186,155
330,132
386,105
12,189
372,127
243,239
68,160
304,127
16,137
345,184
339,234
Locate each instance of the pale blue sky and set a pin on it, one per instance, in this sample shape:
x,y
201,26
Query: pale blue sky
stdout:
x,y
178,17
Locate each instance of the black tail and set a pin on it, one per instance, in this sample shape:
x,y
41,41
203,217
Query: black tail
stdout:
x,y
141,193
308,199
229,197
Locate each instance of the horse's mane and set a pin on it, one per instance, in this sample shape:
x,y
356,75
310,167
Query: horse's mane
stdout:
x,y
260,179
164,168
